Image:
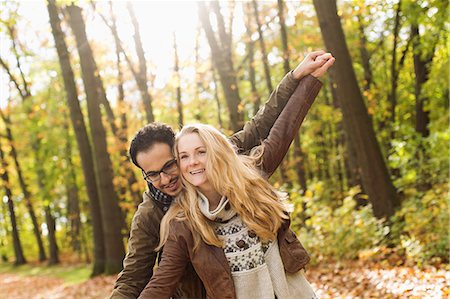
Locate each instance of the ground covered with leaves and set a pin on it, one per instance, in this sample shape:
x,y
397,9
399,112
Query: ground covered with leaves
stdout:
x,y
330,280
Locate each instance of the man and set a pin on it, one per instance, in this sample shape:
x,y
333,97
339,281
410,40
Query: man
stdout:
x,y
151,151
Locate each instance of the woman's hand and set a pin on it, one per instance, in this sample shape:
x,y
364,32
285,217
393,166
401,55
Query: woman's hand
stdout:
x,y
315,63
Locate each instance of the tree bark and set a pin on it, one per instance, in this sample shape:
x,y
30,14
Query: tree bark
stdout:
x,y
394,70
24,188
250,45
142,74
374,173
73,200
221,56
178,82
365,57
84,147
263,48
111,214
18,251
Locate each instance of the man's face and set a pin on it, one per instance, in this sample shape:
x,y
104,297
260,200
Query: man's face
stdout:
x,y
154,160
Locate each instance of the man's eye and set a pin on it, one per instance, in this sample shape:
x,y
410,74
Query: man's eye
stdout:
x,y
152,174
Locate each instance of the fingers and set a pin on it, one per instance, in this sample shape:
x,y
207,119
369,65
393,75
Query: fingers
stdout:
x,y
324,56
315,54
329,63
323,69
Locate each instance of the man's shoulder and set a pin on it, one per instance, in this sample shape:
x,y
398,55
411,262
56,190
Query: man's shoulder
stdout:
x,y
148,210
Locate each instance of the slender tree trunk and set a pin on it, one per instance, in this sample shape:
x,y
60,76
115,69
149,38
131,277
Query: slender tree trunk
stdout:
x,y
250,45
142,74
422,68
111,214
18,251
84,147
126,169
24,187
73,200
221,56
216,97
394,70
365,57
263,48
178,82
375,176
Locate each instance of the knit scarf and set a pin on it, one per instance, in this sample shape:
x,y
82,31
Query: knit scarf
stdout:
x,y
163,199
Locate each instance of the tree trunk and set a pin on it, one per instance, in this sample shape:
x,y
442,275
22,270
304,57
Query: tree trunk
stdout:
x,y
250,45
375,176
84,147
365,57
394,70
142,75
178,82
263,48
222,59
18,251
73,200
111,214
24,187
422,71
126,169
216,97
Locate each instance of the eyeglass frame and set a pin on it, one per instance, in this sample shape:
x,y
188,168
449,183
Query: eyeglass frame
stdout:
x,y
169,163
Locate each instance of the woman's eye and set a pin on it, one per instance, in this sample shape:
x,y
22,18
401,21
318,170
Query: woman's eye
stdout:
x,y
183,157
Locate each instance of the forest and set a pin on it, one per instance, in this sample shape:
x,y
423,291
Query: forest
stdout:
x,y
367,174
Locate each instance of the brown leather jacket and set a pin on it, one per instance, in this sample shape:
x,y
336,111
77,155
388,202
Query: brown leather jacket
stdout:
x,y
209,261
144,234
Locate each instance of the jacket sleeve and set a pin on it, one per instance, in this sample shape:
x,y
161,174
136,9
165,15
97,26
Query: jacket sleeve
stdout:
x,y
276,145
175,258
259,126
140,259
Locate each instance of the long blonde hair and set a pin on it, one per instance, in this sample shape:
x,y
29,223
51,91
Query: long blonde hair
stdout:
x,y
235,176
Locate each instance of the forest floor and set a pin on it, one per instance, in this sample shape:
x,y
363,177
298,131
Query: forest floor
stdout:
x,y
354,279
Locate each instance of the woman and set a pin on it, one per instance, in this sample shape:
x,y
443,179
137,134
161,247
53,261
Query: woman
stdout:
x,y
229,222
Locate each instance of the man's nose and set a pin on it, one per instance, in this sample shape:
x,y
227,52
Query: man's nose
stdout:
x,y
165,178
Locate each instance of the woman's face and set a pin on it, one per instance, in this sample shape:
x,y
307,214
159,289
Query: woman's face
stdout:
x,y
192,157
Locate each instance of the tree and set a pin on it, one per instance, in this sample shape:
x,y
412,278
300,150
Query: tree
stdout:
x,y
18,251
110,211
222,59
176,69
262,47
84,147
141,77
374,173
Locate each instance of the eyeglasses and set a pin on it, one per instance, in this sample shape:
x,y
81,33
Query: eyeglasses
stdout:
x,y
153,176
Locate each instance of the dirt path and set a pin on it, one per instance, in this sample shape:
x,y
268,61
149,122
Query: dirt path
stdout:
x,y
349,280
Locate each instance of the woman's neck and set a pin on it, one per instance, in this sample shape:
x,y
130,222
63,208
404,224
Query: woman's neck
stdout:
x,y
213,197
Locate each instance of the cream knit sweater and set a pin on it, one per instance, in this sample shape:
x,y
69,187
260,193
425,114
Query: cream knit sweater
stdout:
x,y
256,267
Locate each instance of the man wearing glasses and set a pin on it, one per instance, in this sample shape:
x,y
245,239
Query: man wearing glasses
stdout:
x,y
151,151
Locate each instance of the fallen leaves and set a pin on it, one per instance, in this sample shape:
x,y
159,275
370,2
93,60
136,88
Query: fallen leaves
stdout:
x,y
350,279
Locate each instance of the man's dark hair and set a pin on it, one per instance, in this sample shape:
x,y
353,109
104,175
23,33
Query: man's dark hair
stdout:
x,y
147,136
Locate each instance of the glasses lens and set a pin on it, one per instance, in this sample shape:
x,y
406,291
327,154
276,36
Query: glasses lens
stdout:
x,y
152,177
170,167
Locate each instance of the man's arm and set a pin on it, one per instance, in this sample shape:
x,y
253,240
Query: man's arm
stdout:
x,y
259,127
141,257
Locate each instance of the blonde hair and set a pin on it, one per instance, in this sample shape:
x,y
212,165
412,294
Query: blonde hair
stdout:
x,y
234,176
